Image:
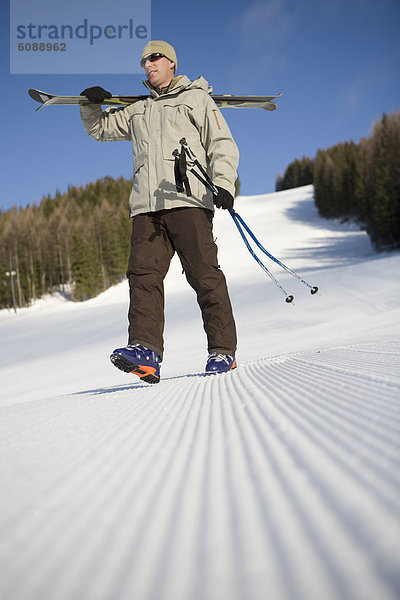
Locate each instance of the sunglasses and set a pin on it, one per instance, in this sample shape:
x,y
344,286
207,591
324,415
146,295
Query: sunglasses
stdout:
x,y
152,58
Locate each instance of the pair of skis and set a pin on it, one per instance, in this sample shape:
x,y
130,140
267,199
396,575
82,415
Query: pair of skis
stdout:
x,y
223,101
186,159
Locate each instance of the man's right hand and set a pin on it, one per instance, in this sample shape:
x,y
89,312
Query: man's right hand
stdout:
x,y
96,94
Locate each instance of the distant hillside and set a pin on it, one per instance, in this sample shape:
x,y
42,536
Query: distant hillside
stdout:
x,y
79,239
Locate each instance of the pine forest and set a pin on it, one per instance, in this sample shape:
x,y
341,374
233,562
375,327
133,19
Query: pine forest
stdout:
x,y
357,181
76,242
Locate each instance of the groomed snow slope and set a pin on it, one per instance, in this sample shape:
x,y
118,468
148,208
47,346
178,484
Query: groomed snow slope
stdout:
x,y
277,481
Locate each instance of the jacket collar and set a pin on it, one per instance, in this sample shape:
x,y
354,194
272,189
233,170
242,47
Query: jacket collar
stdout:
x,y
178,82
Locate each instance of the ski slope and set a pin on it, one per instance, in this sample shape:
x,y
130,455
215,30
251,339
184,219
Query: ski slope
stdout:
x,y
279,480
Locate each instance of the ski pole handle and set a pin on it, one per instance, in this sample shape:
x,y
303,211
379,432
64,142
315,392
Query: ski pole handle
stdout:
x,y
192,157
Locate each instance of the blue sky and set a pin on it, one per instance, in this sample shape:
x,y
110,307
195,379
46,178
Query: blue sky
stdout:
x,y
337,63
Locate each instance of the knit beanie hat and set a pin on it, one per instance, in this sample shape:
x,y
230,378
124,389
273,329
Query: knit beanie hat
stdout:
x,y
161,47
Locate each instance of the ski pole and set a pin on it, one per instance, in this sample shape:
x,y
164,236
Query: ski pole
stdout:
x,y
288,298
238,219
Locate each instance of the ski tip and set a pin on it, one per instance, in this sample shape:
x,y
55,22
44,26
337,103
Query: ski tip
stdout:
x,y
269,106
39,96
33,94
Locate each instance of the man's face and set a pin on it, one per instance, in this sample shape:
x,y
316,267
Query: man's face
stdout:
x,y
160,72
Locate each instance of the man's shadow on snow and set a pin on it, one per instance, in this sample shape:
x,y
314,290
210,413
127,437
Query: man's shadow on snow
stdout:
x,y
134,386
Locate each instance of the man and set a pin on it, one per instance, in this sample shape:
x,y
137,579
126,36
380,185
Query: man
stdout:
x,y
165,221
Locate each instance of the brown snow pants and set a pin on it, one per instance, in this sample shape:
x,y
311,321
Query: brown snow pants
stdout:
x,y
155,238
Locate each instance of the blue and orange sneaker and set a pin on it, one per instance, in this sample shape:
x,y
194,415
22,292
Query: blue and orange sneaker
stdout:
x,y
220,363
138,360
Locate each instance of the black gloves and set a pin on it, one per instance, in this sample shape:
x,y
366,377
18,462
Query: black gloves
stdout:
x,y
223,199
96,94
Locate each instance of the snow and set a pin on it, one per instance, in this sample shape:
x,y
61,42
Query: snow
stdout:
x,y
278,480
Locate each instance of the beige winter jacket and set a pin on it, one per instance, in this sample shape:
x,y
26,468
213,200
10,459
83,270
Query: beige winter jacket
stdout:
x,y
155,126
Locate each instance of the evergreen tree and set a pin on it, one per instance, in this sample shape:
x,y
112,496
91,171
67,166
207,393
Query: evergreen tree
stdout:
x,y
363,192
297,174
383,219
5,287
323,184
86,271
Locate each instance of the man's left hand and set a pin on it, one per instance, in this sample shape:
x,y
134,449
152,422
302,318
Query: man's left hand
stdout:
x,y
223,199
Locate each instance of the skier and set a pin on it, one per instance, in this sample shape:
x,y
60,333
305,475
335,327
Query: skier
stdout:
x,y
163,220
